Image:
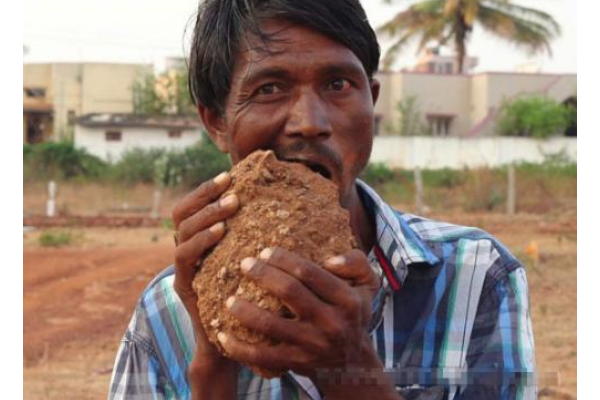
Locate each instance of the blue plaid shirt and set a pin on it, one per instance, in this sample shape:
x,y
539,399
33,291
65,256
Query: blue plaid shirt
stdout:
x,y
451,321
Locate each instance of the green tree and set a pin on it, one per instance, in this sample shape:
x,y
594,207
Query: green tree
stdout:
x,y
166,93
146,99
442,21
536,116
411,121
183,100
60,160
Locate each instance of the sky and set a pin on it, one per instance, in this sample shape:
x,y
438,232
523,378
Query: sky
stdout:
x,y
148,31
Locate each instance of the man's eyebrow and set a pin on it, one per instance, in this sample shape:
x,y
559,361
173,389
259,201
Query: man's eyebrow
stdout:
x,y
269,72
343,68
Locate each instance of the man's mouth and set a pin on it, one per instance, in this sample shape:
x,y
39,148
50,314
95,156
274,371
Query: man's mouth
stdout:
x,y
315,166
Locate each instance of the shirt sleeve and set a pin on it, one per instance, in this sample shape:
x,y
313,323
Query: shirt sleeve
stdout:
x,y
137,373
501,357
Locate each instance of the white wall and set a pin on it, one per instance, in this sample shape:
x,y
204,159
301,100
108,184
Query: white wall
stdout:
x,y
94,140
455,152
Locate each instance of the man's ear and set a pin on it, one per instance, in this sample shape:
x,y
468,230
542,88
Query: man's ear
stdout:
x,y
375,85
215,127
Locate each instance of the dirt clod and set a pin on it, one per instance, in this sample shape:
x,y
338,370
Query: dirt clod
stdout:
x,y
282,204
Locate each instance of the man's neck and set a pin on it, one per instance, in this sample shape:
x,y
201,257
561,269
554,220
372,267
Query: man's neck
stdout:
x,y
361,223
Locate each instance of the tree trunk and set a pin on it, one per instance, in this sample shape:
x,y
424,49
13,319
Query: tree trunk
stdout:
x,y
459,42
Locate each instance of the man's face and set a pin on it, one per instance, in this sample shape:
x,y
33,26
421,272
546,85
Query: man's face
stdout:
x,y
308,99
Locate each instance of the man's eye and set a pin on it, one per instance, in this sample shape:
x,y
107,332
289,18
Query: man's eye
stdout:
x,y
269,88
339,85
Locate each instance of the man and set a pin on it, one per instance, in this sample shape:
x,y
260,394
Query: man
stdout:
x,y
432,310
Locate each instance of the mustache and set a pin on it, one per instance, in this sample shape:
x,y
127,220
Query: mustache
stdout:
x,y
310,148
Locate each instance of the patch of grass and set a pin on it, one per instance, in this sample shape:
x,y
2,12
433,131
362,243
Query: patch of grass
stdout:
x,y
55,239
377,173
167,223
540,187
445,178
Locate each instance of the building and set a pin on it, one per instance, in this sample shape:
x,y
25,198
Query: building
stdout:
x,y
462,104
109,136
54,94
434,62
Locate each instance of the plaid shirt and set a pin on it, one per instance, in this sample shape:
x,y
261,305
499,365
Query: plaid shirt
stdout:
x,y
451,321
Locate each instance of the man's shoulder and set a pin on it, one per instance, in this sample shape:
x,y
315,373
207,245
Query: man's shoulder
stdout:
x,y
447,239
158,303
441,231
159,289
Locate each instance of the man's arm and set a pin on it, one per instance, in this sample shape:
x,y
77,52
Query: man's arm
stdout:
x,y
198,219
147,365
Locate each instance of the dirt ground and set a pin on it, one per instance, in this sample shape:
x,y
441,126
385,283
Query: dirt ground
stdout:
x,y
77,299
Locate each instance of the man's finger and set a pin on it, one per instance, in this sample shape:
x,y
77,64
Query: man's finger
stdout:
x,y
208,216
281,357
272,325
200,197
188,253
292,292
325,285
354,267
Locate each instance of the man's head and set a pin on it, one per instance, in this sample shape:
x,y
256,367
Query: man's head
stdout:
x,y
294,76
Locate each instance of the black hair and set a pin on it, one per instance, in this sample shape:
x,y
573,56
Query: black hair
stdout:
x,y
222,24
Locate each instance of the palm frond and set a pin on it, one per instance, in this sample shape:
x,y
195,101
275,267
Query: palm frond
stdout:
x,y
441,20
451,6
434,32
392,53
415,17
530,34
526,13
471,11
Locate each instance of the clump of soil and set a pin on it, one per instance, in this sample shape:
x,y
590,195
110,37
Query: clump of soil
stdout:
x,y
282,204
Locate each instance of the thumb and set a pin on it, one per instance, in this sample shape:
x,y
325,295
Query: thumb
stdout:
x,y
352,266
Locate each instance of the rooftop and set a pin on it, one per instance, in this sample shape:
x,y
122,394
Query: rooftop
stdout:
x,y
136,120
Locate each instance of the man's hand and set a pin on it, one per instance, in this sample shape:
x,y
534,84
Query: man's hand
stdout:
x,y
198,219
332,308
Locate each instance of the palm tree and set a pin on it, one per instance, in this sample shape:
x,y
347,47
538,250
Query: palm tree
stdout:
x,y
444,20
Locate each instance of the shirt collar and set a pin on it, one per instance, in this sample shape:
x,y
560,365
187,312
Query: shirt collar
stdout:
x,y
397,241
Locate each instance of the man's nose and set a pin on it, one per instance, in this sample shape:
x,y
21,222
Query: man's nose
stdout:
x,y
308,117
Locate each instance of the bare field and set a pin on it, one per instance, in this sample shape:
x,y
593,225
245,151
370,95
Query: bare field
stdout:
x,y
77,299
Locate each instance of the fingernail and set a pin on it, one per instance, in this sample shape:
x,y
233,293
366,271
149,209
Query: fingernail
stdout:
x,y
218,227
221,178
337,260
247,264
266,253
222,337
229,200
230,301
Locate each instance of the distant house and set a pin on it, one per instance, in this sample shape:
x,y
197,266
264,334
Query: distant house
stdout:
x,y
109,136
467,104
54,94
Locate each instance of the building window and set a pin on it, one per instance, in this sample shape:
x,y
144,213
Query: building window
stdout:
x,y
113,136
70,117
439,125
175,134
36,93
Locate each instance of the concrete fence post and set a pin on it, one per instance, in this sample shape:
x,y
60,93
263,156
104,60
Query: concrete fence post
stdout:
x,y
511,196
51,202
418,190
156,197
